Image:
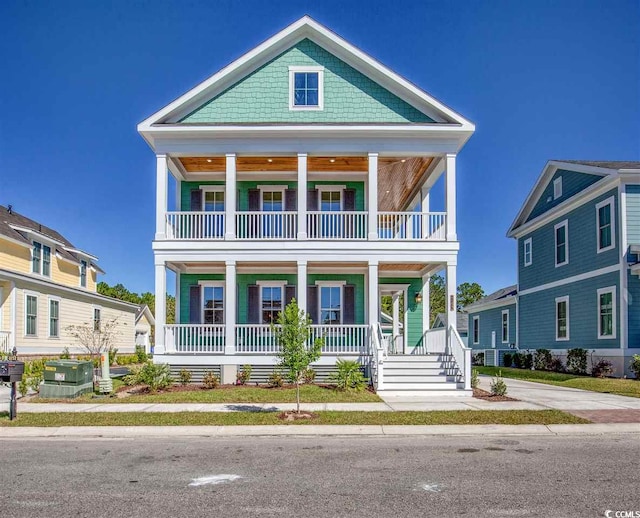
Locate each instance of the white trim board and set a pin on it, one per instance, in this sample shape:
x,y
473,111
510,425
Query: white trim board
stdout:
x,y
570,280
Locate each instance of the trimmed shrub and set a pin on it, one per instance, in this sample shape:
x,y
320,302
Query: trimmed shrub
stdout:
x,y
498,386
141,355
210,380
518,360
309,376
634,366
243,376
348,376
577,361
527,361
156,376
475,380
65,354
507,359
477,359
184,376
542,359
275,380
602,369
556,364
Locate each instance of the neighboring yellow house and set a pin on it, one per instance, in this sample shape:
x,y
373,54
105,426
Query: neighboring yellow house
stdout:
x,y
47,285
144,325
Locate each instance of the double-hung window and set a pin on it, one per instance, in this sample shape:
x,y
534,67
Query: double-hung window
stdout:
x,y
54,318
31,315
272,201
505,326
476,330
607,312
605,225
213,304
528,252
331,304
41,259
271,302
96,319
562,318
83,274
213,205
562,243
306,85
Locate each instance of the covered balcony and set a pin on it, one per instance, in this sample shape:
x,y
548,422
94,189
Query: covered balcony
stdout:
x,y
343,198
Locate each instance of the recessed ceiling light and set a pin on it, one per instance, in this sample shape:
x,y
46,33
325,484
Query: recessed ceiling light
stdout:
x,y
332,160
209,160
403,160
269,160
387,192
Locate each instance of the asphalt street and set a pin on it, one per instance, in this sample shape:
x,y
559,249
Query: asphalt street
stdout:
x,y
320,477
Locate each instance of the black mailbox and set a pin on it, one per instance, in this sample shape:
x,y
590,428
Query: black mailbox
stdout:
x,y
11,371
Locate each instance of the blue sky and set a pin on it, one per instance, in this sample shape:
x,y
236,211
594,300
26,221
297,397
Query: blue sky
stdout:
x,y
541,79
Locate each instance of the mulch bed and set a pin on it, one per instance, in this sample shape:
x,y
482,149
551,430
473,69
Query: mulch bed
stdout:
x,y
488,396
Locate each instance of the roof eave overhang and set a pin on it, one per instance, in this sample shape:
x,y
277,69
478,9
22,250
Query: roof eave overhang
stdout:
x,y
480,306
297,31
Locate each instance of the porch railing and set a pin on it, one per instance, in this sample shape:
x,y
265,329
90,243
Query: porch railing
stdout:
x,y
255,339
462,356
342,225
266,225
412,225
195,225
195,338
5,342
337,225
339,339
433,341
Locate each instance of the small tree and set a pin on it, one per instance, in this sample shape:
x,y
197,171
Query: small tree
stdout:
x,y
96,337
292,331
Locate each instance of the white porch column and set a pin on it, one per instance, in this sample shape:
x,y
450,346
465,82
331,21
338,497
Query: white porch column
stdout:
x,y
451,295
372,195
302,286
450,194
162,183
230,308
395,298
176,316
161,310
302,196
373,293
230,197
426,303
425,202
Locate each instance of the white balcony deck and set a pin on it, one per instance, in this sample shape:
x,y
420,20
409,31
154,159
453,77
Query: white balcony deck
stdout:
x,y
329,226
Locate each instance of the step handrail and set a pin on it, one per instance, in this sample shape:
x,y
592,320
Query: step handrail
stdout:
x,y
462,356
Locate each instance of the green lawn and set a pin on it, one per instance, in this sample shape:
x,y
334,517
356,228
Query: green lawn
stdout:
x,y
271,418
242,394
622,387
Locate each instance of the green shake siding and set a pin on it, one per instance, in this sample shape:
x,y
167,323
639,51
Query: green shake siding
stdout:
x,y
245,187
263,96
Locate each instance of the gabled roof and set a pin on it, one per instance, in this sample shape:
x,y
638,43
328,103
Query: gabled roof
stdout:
x,y
303,28
143,310
462,321
498,298
603,169
23,230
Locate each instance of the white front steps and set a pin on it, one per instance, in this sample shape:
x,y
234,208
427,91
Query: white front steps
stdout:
x,y
421,375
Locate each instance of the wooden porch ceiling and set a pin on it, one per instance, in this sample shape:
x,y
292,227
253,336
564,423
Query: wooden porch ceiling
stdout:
x,y
399,267
397,176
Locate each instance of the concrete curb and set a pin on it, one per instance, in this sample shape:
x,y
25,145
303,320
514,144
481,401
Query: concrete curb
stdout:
x,y
130,432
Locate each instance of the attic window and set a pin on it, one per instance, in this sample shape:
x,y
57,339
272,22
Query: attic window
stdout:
x,y
306,88
557,188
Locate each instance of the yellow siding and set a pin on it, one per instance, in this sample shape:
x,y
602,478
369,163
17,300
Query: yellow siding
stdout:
x,y
92,276
15,257
64,272
74,310
143,324
5,306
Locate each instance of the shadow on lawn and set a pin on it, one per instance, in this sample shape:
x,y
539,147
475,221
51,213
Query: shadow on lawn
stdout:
x,y
251,408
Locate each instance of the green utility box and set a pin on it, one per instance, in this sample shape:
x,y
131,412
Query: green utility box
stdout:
x,y
66,379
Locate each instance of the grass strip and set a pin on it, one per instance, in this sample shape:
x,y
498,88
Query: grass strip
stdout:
x,y
242,394
621,387
454,417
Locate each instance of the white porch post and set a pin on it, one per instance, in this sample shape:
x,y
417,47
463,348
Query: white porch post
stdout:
x,y
426,303
425,202
176,316
302,286
230,308
451,295
162,182
230,197
373,293
396,319
161,310
302,197
372,195
450,194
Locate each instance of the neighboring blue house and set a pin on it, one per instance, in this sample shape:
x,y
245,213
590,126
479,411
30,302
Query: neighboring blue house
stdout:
x,y
493,320
578,236
462,323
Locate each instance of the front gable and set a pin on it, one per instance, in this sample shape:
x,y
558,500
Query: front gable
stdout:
x,y
263,95
572,182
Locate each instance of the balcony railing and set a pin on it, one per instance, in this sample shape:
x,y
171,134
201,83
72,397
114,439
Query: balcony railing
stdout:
x,y
342,339
195,338
266,225
344,225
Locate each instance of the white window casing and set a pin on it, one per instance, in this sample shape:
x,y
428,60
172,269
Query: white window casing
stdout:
x,y
505,326
612,225
564,227
604,291
558,301
528,252
557,188
309,70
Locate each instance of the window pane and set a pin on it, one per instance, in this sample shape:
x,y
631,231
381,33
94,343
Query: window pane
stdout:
x,y
46,261
300,98
606,314
300,80
562,319
37,250
330,310
214,201
561,247
312,80
312,97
